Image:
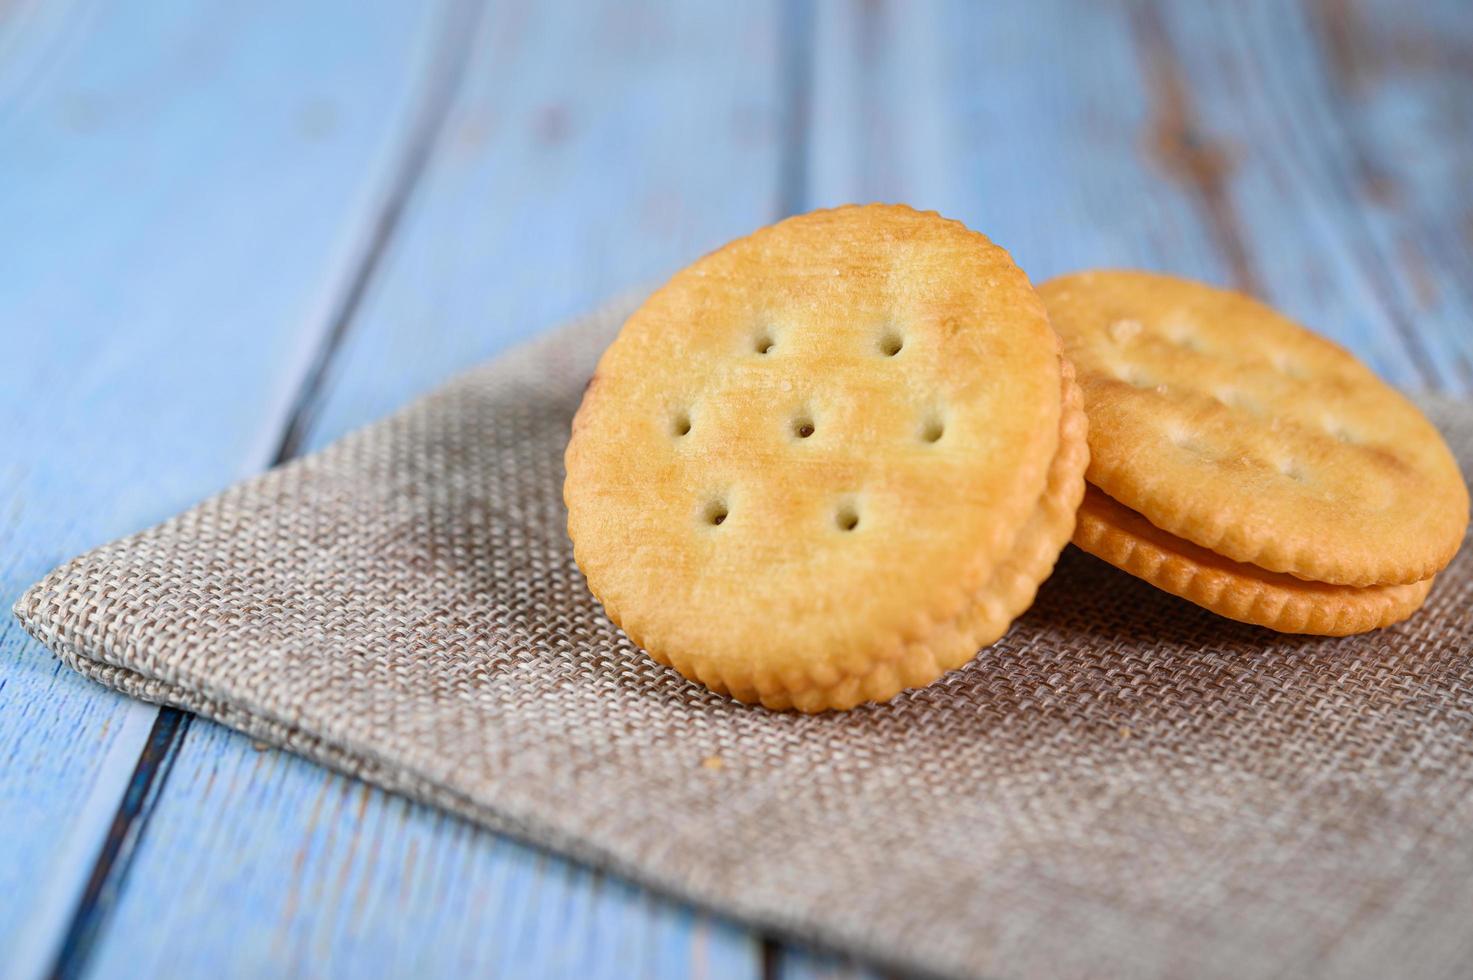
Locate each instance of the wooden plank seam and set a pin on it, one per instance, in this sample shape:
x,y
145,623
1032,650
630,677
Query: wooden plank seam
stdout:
x,y
172,725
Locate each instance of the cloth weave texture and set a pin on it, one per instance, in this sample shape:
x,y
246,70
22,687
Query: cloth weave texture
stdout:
x,y
1124,785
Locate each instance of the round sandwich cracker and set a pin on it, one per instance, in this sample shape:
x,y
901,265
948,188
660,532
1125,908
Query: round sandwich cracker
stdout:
x,y
812,448
1125,539
1226,424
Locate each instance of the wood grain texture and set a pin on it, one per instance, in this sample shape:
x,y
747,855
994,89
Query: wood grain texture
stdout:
x,y
1025,132
1402,91
155,329
521,219
1195,139
257,863
1325,210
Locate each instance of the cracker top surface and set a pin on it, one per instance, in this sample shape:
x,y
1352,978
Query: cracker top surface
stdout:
x,y
1229,425
814,443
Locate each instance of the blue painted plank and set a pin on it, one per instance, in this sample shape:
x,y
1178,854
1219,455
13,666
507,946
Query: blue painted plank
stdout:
x,y
184,188
1402,86
1347,125
1184,137
1026,121
307,872
584,155
556,188
1315,204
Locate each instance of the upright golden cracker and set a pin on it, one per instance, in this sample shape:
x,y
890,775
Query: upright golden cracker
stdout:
x,y
813,446
1227,424
1125,539
1009,590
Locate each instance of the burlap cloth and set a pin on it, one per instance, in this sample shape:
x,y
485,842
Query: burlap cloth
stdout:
x,y
1123,786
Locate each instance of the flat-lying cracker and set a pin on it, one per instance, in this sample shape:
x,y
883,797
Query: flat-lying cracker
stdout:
x,y
812,447
1125,539
1227,424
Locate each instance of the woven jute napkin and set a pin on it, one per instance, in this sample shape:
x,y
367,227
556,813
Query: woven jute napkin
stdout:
x,y
1125,785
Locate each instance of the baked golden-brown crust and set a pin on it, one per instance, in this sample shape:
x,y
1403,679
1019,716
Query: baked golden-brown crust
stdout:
x,y
1227,424
1008,593
813,446
1014,582
1125,539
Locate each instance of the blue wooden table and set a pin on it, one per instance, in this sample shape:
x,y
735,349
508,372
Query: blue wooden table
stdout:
x,y
230,232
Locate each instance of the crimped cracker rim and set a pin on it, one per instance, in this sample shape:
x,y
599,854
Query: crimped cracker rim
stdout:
x,y
1123,537
1009,593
